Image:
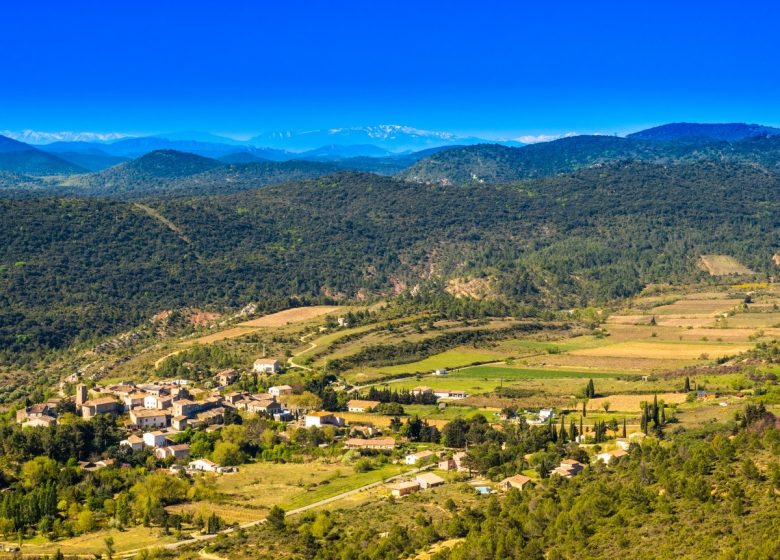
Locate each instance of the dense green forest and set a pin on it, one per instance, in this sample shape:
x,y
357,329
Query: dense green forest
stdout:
x,y
72,268
490,163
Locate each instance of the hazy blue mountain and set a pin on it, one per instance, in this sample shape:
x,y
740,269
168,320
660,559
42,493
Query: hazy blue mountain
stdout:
x,y
337,151
727,132
196,136
393,138
83,154
241,157
18,157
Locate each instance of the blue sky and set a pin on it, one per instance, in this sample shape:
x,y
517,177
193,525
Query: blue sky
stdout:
x,y
496,69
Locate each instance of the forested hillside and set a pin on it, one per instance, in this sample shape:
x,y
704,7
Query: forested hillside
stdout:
x,y
72,268
490,163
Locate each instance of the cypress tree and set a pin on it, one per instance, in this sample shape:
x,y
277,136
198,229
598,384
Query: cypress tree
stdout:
x,y
584,411
687,387
655,410
625,433
562,433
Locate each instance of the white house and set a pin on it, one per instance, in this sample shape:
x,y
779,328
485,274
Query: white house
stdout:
x,y
203,465
545,414
440,371
415,458
320,419
136,443
279,390
450,394
155,439
357,405
429,480
606,456
265,365
149,418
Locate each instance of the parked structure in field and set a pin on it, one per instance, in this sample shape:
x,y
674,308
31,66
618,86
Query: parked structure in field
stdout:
x,y
419,457
400,489
378,444
518,481
607,456
266,365
429,480
568,468
357,405
320,419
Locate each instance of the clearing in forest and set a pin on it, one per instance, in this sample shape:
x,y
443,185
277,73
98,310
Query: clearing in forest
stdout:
x,y
723,265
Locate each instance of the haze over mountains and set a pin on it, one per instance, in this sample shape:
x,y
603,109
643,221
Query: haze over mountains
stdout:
x,y
196,163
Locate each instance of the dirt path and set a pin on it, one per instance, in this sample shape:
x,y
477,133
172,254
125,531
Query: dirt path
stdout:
x,y
204,538
291,360
163,220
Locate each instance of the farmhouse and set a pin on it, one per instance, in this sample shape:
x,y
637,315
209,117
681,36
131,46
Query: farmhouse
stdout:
x,y
447,465
42,421
320,419
148,418
203,465
404,488
264,365
179,423
450,394
227,377
279,390
568,468
134,442
415,458
134,400
155,439
429,480
608,455
104,405
382,444
356,405
421,390
440,371
518,481
623,443
180,451
157,402
186,407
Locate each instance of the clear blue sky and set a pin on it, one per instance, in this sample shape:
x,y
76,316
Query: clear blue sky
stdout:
x,y
493,68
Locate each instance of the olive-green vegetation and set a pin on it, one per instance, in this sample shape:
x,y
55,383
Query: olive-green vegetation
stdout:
x,y
74,268
693,495
492,163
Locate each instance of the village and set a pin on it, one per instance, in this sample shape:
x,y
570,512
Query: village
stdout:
x,y
153,414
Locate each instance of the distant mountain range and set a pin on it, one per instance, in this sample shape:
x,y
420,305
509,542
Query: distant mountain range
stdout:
x,y
392,138
136,167
18,157
501,164
729,132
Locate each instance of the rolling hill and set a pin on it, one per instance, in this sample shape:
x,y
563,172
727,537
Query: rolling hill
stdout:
x,y
490,163
68,265
172,173
18,157
729,132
